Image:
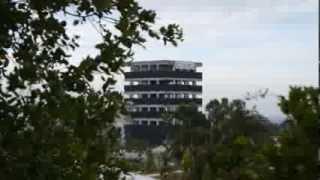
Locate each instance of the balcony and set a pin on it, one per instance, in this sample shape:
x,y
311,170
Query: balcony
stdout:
x,y
146,114
157,87
163,74
166,101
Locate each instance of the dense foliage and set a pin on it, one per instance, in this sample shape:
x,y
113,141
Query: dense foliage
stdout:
x,y
242,144
232,118
295,155
217,146
53,124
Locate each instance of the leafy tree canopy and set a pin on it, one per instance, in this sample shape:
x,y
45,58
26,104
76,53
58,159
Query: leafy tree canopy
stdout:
x,y
295,154
226,145
289,154
232,118
53,124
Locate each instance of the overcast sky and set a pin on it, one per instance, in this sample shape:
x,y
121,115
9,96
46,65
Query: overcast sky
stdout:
x,y
244,45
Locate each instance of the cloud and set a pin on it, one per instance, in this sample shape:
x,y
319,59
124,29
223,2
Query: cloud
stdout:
x,y
245,45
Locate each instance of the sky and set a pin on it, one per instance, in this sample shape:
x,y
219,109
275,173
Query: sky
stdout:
x,y
244,45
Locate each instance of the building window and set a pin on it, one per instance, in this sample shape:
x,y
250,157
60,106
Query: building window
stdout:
x,y
135,68
143,82
153,67
153,82
171,82
144,68
165,67
136,122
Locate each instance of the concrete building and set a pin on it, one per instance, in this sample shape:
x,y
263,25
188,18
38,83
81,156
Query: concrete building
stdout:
x,y
154,87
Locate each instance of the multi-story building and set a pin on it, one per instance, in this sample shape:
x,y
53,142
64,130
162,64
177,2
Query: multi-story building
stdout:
x,y
153,87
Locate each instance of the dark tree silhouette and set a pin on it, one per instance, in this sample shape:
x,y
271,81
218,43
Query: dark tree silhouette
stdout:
x,y
53,124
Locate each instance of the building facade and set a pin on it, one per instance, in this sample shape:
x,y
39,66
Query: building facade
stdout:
x,y
155,87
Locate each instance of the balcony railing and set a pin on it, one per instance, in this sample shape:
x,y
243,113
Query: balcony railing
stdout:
x,y
158,87
147,114
166,101
163,74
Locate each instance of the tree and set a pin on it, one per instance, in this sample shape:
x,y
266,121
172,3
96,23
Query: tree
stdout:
x,y
191,129
294,156
230,119
150,164
53,124
227,145
239,159
190,136
291,153
136,145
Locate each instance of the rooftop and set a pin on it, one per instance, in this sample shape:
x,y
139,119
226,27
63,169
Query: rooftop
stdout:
x,y
169,62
